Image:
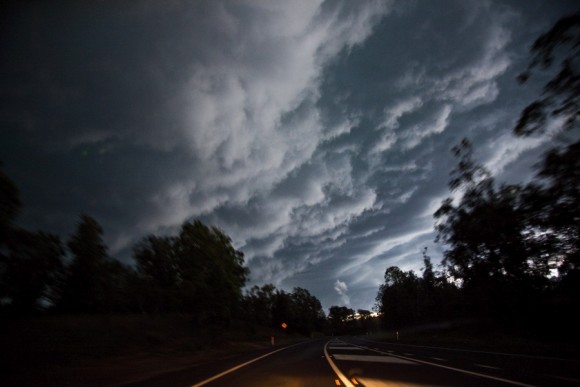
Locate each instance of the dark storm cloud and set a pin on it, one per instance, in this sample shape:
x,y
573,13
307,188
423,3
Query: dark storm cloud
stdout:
x,y
316,134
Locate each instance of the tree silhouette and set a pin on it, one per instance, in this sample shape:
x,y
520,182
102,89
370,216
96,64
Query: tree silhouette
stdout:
x,y
259,303
308,312
198,271
159,274
212,272
86,278
157,261
561,95
486,231
9,205
340,319
397,298
33,270
405,299
30,262
301,311
501,241
555,206
283,310
493,246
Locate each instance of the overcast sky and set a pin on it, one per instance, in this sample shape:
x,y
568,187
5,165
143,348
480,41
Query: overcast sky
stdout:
x,y
317,134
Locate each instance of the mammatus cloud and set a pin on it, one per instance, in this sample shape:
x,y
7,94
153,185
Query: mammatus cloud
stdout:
x,y
342,290
476,83
394,113
249,123
438,123
504,149
436,96
315,133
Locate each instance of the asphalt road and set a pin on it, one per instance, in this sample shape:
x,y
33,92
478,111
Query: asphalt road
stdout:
x,y
361,362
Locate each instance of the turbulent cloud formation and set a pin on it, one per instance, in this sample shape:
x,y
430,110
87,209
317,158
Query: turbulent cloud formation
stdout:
x,y
342,290
315,133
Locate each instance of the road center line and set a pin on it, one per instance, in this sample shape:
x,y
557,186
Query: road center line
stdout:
x,y
209,380
515,383
337,371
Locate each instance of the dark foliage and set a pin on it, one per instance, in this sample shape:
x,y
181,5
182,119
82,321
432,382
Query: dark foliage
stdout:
x,y
196,272
340,320
502,242
308,314
93,283
560,96
9,205
30,263
405,299
33,271
487,232
268,307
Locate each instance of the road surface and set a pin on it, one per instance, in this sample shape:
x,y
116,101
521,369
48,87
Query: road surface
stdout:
x,y
361,362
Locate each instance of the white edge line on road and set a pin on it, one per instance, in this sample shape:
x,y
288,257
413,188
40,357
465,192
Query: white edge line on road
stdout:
x,y
209,380
455,369
486,366
338,373
474,351
564,378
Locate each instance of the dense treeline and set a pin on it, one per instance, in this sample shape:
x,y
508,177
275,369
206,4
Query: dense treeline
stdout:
x,y
197,272
504,243
300,311
511,255
343,320
406,299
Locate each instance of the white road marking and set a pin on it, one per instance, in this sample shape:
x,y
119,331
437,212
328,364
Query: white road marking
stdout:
x,y
438,359
240,366
565,378
373,359
336,370
486,366
347,348
471,350
515,383
386,383
408,354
